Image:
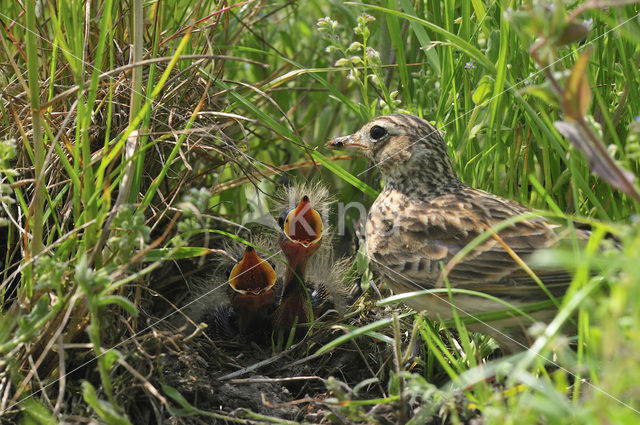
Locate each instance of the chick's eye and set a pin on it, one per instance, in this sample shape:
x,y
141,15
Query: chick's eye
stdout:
x,y
282,219
377,132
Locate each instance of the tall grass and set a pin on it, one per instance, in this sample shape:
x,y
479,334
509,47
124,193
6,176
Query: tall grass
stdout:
x,y
126,107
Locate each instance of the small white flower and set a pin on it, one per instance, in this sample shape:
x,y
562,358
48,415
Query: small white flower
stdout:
x,y
326,24
373,55
354,47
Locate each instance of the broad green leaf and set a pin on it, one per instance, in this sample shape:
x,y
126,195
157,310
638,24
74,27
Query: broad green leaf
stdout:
x,y
36,413
124,303
179,253
483,90
103,408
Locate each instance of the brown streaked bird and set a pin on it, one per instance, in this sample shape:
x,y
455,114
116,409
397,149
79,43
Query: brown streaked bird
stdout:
x,y
300,237
252,280
425,215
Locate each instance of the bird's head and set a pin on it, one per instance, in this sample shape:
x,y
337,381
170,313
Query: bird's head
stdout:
x,y
303,224
252,275
301,234
399,146
252,280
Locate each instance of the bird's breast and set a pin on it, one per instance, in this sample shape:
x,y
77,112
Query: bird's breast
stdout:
x,y
382,221
384,228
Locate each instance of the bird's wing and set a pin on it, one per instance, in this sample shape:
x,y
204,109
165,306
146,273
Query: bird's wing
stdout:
x,y
432,233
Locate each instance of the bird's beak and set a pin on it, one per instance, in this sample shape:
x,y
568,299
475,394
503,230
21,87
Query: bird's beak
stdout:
x,y
350,142
303,224
252,274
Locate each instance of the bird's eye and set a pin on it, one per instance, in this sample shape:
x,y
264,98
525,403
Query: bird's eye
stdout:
x,y
282,218
377,132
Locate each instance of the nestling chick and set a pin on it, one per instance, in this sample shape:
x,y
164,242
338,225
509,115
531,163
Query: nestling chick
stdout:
x,y
252,281
242,301
300,237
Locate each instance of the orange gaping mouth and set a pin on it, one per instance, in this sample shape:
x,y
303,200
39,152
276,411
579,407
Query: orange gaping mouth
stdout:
x,y
252,274
303,224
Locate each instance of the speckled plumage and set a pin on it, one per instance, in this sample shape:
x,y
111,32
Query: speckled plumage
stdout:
x,y
425,215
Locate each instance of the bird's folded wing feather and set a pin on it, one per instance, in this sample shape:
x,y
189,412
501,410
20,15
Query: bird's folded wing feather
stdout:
x,y
432,233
